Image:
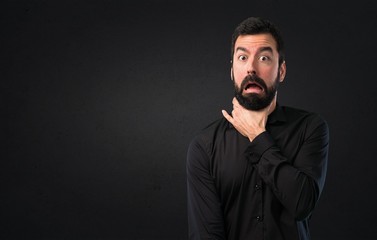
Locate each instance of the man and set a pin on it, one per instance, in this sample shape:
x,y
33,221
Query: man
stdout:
x,y
259,172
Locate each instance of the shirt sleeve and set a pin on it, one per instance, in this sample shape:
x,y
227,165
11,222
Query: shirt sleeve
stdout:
x,y
298,182
205,217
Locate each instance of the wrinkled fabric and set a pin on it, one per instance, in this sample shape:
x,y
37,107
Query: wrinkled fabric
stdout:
x,y
264,189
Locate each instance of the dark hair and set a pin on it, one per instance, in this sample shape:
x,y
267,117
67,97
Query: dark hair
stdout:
x,y
257,25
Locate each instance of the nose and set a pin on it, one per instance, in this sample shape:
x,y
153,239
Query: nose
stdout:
x,y
251,68
251,72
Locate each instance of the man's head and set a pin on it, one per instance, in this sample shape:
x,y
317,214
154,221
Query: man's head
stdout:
x,y
258,63
256,25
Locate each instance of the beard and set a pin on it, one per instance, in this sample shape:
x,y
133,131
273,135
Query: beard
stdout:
x,y
256,101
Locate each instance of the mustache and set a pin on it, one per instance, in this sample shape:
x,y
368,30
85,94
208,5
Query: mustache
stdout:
x,y
253,78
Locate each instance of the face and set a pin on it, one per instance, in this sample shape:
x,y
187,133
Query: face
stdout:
x,y
256,71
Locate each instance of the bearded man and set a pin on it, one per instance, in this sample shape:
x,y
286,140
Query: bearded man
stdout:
x,y
258,172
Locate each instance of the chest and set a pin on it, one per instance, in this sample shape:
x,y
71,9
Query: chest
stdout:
x,y
231,168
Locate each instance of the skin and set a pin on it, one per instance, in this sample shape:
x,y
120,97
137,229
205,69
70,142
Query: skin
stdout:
x,y
254,54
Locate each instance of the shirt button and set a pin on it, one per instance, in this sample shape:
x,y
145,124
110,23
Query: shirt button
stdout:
x,y
259,218
257,187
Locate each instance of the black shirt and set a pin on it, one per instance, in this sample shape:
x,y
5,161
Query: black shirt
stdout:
x,y
264,189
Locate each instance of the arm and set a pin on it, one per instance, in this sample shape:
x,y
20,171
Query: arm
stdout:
x,y
205,215
298,186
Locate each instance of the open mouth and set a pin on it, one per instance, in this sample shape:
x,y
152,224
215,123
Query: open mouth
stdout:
x,y
253,87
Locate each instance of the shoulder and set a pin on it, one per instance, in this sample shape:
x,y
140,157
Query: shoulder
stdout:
x,y
209,134
312,121
297,113
213,128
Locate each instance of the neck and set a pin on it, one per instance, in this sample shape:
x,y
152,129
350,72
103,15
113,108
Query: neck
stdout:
x,y
272,106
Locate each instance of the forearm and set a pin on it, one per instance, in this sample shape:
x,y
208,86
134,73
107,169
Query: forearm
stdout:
x,y
297,191
205,216
297,182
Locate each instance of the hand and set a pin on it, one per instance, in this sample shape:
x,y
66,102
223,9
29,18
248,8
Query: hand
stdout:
x,y
247,122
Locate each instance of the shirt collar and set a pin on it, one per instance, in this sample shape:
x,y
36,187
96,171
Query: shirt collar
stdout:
x,y
278,115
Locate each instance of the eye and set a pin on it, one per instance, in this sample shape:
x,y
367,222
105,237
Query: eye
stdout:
x,y
242,58
264,58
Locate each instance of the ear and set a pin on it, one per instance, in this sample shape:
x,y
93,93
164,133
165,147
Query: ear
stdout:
x,y
282,71
231,71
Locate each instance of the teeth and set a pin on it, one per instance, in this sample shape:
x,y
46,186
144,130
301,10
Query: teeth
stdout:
x,y
252,85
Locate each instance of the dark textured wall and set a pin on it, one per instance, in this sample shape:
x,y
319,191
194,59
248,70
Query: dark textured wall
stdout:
x,y
101,98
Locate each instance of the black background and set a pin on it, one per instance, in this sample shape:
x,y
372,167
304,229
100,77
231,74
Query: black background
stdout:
x,y
101,98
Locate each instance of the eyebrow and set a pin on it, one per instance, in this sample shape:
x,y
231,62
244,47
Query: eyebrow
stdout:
x,y
262,49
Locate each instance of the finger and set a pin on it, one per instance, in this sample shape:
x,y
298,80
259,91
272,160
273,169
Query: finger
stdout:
x,y
235,102
227,116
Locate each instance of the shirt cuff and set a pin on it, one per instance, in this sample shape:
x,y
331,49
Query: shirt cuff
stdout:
x,y
258,146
